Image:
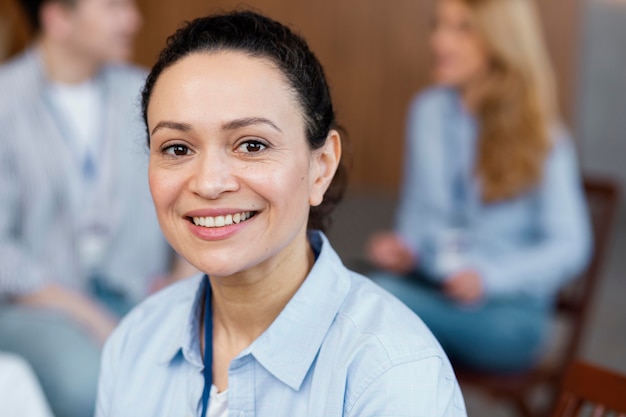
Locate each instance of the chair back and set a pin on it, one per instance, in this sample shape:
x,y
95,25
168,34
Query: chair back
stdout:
x,y
574,300
592,391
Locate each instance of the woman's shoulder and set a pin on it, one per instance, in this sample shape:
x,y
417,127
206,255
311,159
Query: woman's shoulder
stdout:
x,y
125,73
563,146
373,314
559,134
433,99
364,312
386,349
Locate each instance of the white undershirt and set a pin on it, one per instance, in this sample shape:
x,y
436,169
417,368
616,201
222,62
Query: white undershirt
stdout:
x,y
80,108
218,403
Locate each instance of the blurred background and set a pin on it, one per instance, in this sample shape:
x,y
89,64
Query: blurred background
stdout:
x,y
375,55
376,58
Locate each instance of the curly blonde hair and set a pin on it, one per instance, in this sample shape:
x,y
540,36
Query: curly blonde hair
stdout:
x,y
518,102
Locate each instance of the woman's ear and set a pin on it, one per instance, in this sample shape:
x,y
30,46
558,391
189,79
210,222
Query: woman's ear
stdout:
x,y
325,161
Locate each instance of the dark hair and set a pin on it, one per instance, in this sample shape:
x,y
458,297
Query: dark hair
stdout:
x,y
262,37
32,8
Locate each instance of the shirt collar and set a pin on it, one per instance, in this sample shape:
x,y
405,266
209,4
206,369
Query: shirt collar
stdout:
x,y
185,338
289,346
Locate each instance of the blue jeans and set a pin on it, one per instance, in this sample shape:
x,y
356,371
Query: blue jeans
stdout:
x,y
64,357
499,335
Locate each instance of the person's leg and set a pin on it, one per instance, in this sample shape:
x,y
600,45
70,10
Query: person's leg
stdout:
x,y
64,358
500,335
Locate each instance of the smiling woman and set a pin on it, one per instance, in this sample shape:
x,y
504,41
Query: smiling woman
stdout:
x,y
224,143
244,156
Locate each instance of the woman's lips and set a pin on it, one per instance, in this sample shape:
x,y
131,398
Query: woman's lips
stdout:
x,y
219,226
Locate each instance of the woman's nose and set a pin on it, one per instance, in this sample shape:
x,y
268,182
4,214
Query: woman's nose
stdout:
x,y
214,174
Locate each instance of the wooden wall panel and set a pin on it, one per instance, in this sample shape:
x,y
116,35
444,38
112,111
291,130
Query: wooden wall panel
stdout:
x,y
15,32
563,32
375,54
376,58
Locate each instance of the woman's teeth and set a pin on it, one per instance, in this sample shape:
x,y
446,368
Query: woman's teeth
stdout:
x,y
220,221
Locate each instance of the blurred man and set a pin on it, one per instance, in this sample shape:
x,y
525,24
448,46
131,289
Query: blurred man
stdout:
x,y
79,240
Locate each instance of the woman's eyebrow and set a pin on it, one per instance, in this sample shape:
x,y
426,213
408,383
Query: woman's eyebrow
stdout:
x,y
249,121
183,127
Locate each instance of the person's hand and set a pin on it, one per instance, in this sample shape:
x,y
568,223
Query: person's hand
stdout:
x,y
388,251
464,286
97,320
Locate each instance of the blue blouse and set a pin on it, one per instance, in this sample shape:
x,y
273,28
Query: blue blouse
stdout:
x,y
341,347
529,245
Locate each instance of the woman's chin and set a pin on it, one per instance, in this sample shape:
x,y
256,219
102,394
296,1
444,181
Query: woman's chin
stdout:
x,y
220,268
217,271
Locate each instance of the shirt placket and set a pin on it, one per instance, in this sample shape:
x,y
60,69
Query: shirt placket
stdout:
x,y
195,384
241,387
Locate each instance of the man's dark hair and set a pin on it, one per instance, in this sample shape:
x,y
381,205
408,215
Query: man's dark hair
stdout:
x,y
261,37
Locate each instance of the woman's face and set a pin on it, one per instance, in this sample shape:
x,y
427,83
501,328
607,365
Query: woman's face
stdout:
x,y
231,172
460,56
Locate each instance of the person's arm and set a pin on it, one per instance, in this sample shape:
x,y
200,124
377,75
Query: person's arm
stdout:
x,y
27,281
80,308
424,197
20,272
564,242
424,200
416,388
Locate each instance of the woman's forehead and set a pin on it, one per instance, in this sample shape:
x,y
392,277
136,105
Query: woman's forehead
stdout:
x,y
225,72
226,85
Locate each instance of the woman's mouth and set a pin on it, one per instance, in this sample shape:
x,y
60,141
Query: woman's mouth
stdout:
x,y
221,221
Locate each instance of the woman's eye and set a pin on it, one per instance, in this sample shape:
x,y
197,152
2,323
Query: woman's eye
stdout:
x,y
176,150
251,146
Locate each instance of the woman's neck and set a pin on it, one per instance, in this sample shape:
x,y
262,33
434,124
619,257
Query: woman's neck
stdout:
x,y
245,305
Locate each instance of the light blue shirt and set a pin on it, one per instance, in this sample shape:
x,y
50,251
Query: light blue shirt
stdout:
x,y
341,347
528,245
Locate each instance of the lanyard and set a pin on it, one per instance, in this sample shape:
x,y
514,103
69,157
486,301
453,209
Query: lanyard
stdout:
x,y
208,348
88,161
